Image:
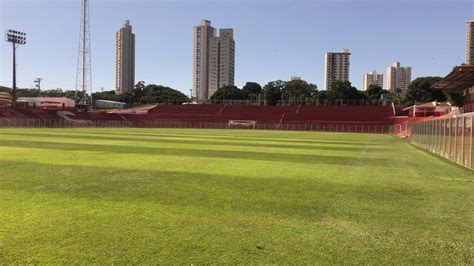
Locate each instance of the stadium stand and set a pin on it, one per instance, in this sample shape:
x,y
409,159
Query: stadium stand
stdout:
x,y
218,116
380,115
223,113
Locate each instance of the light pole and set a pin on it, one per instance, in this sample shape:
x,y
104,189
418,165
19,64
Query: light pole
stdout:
x,y
38,85
16,38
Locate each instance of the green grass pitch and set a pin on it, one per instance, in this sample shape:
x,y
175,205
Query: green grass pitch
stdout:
x,y
185,196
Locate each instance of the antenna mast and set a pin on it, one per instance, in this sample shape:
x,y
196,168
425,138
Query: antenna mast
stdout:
x,y
83,74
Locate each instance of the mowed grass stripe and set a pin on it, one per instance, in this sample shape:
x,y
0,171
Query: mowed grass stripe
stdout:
x,y
187,141
243,135
129,203
193,138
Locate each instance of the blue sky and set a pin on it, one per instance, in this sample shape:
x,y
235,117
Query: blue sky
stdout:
x,y
274,39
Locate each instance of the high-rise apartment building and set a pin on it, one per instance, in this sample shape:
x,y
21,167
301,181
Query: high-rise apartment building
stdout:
x,y
373,78
213,60
202,35
222,56
125,59
336,67
398,78
470,43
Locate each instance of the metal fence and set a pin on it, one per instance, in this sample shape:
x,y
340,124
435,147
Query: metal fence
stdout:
x,y
61,123
294,102
450,138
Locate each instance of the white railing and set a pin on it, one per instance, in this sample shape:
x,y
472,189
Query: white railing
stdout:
x,y
62,123
450,138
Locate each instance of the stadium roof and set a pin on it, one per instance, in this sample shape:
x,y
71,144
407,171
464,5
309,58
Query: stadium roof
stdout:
x,y
460,78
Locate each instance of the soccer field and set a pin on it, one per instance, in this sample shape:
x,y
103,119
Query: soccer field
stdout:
x,y
182,196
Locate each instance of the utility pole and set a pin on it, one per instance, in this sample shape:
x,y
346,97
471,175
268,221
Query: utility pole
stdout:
x,y
38,84
15,38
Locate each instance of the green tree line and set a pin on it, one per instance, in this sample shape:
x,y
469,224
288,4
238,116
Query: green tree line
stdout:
x,y
295,91
272,93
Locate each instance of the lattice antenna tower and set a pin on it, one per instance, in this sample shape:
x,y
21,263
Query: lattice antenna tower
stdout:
x,y
83,74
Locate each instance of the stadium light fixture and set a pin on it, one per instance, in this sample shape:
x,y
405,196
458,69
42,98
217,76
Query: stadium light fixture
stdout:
x,y
15,38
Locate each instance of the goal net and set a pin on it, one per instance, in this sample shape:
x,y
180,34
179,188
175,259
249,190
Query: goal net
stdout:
x,y
242,124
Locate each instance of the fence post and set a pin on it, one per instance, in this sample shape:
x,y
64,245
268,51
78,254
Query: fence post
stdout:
x,y
449,127
472,136
462,143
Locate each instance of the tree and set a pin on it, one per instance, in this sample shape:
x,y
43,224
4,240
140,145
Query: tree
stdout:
x,y
251,90
228,92
296,90
159,94
27,92
52,93
455,98
374,92
137,93
420,90
394,97
343,90
5,89
106,95
273,91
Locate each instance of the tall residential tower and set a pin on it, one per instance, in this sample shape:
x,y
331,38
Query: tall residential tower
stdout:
x,y
213,60
373,78
125,59
222,56
398,78
336,68
470,43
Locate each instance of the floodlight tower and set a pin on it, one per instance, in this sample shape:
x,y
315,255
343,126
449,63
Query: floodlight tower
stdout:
x,y
83,74
15,38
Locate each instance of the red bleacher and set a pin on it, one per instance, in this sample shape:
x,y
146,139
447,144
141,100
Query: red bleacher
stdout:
x,y
9,112
363,115
96,116
27,113
311,115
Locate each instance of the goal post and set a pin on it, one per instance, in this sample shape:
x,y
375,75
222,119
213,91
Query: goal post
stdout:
x,y
241,124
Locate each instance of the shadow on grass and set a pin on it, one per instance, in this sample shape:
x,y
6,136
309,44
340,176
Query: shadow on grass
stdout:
x,y
308,199
283,137
203,142
249,155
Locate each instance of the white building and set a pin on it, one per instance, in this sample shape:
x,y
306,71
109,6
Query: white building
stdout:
x,y
213,60
470,43
336,67
125,59
222,57
105,104
48,102
398,79
373,78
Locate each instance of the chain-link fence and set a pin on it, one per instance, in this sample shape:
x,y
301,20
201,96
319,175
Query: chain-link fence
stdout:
x,y
450,138
61,123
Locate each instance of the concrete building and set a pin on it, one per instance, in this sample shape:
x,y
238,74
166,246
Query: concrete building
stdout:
x,y
213,60
398,78
48,102
336,67
222,60
470,43
373,78
105,104
125,59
